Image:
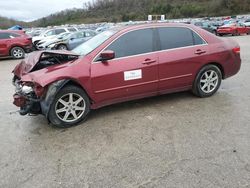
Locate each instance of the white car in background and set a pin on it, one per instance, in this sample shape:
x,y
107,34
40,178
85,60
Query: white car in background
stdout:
x,y
247,22
47,41
51,33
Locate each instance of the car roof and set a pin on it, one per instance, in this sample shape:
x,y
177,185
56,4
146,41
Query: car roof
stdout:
x,y
150,25
21,32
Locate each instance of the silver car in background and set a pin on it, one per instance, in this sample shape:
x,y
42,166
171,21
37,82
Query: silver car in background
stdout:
x,y
72,40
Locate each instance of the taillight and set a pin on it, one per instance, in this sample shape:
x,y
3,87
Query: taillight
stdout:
x,y
236,50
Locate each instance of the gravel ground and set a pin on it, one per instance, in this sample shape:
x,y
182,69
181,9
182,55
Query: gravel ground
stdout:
x,y
174,140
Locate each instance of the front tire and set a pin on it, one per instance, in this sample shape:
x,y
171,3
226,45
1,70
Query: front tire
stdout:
x,y
17,53
70,106
207,81
35,43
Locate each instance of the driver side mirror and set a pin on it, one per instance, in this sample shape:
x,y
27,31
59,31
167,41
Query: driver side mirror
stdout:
x,y
107,55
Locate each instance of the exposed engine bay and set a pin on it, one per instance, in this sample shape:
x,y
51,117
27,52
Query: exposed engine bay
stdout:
x,y
28,95
47,60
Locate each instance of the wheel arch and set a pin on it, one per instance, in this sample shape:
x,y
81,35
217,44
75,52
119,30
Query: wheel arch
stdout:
x,y
75,83
217,65
52,91
15,45
59,44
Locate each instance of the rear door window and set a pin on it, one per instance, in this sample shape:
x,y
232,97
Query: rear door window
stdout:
x,y
13,35
50,33
59,31
71,29
80,35
8,35
197,39
4,36
178,37
133,43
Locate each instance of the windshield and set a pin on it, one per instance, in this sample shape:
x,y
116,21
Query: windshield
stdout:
x,y
229,25
93,43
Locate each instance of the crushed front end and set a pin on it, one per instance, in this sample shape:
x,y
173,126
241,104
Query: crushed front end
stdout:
x,y
29,94
27,97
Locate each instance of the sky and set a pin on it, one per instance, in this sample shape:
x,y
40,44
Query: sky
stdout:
x,y
29,10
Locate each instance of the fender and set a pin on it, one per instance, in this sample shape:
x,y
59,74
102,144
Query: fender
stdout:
x,y
52,91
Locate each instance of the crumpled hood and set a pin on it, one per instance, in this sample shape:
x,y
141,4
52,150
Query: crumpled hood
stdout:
x,y
33,58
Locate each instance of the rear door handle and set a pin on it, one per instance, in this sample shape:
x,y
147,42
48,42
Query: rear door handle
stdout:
x,y
199,52
148,61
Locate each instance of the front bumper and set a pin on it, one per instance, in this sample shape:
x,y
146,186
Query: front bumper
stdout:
x,y
26,105
25,99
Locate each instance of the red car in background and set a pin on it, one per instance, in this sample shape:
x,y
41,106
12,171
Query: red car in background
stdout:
x,y
121,64
14,44
233,29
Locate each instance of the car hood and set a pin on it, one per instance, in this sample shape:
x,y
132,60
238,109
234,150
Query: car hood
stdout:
x,y
33,59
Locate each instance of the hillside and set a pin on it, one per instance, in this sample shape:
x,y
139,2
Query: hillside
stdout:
x,y
125,10
6,23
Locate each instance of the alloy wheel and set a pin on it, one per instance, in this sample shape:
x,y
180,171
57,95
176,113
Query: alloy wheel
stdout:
x,y
62,47
17,53
70,107
209,81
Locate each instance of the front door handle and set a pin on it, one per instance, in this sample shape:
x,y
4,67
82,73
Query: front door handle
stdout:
x,y
199,52
148,61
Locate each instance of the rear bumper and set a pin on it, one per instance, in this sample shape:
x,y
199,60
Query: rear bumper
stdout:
x,y
232,68
28,48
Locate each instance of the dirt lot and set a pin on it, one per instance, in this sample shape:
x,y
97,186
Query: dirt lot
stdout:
x,y
175,140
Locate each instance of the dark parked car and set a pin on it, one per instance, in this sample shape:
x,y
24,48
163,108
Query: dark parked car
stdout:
x,y
123,64
14,44
207,26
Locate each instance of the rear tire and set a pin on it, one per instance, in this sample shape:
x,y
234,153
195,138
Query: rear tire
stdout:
x,y
62,47
17,53
70,107
207,81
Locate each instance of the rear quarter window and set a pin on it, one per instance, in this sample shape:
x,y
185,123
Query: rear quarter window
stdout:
x,y
4,35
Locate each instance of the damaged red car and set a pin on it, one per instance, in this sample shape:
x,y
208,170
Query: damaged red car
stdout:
x,y
234,29
121,64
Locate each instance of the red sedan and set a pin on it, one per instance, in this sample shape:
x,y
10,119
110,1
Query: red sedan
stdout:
x,y
123,64
233,29
14,44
